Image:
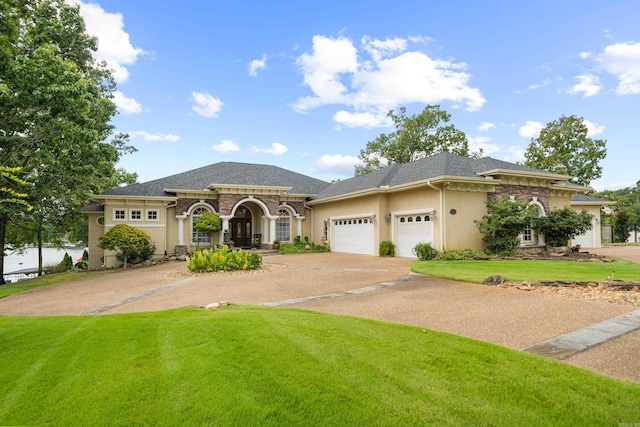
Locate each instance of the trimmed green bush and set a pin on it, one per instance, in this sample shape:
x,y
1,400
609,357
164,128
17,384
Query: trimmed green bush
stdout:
x,y
387,248
67,262
223,260
425,252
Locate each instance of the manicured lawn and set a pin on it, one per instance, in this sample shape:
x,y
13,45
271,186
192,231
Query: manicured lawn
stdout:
x,y
273,366
529,270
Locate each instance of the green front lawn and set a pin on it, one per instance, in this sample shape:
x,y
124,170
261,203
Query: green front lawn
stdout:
x,y
47,279
273,366
529,270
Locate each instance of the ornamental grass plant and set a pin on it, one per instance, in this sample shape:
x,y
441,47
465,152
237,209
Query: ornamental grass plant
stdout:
x,y
223,259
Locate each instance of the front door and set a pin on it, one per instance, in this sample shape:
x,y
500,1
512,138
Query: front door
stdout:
x,y
241,228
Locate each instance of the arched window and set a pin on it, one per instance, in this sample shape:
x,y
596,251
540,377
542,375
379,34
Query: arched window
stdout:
x,y
283,226
198,236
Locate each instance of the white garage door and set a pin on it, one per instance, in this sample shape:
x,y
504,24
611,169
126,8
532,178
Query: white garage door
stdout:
x,y
353,235
411,230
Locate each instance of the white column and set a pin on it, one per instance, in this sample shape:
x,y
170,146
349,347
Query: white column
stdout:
x,y
180,231
266,238
299,227
272,229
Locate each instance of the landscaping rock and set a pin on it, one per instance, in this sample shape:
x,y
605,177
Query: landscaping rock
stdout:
x,y
494,280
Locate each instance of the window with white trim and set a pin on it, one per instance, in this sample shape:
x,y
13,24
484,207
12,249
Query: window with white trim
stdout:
x,y
198,236
135,214
527,234
119,214
283,226
153,215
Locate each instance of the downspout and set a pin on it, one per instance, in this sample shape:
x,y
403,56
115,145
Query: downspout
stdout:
x,y
442,215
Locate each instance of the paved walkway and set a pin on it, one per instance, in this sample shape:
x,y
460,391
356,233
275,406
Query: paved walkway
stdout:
x,y
370,287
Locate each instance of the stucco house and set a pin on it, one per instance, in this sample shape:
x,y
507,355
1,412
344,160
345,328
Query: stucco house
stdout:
x,y
435,200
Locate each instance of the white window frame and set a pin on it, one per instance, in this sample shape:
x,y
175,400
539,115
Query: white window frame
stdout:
x,y
137,212
201,237
119,214
283,224
153,211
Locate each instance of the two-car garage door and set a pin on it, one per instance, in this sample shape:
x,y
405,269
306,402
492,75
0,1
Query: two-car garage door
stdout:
x,y
353,235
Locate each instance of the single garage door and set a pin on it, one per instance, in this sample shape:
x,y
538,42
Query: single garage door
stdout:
x,y
585,240
411,230
353,235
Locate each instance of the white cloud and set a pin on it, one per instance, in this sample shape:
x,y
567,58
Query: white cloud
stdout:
x,y
593,129
486,126
276,149
531,129
515,154
366,120
482,142
206,105
337,163
588,85
114,45
257,64
125,104
623,61
147,136
225,146
392,75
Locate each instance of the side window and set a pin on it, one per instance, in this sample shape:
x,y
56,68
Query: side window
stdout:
x,y
119,214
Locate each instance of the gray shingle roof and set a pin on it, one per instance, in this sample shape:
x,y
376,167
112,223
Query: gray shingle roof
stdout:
x,y
438,165
228,173
589,199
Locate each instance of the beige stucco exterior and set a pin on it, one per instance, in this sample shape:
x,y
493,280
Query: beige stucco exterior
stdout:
x,y
449,206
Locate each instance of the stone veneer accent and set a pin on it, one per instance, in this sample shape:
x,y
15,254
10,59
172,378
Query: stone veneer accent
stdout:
x,y
228,201
183,205
522,193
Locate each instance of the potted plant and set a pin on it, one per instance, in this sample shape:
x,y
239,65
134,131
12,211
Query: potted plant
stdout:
x,y
276,244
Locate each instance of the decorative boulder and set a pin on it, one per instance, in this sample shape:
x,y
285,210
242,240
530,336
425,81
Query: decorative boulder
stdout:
x,y
494,280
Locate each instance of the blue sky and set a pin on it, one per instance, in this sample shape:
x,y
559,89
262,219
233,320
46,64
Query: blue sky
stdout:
x,y
305,87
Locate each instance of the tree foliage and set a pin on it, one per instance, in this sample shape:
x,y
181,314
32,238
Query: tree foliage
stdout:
x,y
209,223
560,225
627,215
414,137
55,111
129,242
10,185
504,223
563,147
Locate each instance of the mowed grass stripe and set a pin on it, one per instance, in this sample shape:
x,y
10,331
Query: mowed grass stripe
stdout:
x,y
274,366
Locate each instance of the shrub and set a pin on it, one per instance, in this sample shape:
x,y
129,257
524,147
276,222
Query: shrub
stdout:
x,y
502,226
560,225
83,264
223,260
67,262
459,255
129,242
425,252
387,248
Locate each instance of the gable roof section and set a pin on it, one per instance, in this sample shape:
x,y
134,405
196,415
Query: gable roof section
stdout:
x,y
225,173
441,165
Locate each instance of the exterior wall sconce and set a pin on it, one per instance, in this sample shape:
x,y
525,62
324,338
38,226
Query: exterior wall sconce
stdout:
x,y
453,211
387,217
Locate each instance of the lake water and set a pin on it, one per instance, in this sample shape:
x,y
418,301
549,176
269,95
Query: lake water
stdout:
x,y
29,258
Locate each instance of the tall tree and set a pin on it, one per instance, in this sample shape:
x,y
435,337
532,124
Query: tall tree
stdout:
x,y
563,147
55,112
415,137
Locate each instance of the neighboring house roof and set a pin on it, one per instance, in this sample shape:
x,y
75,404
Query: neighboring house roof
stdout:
x,y
225,173
437,166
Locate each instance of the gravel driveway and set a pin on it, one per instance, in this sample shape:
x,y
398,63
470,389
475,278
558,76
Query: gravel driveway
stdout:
x,y
364,286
